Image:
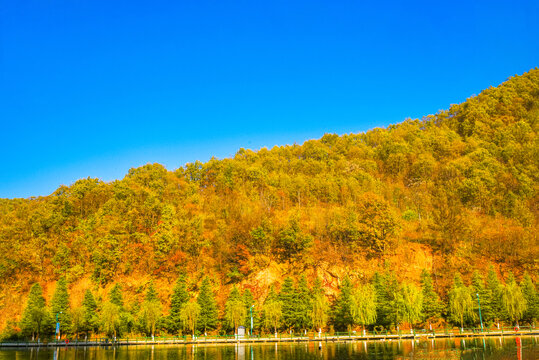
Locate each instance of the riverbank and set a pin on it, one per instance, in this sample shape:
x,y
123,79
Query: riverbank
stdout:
x,y
269,339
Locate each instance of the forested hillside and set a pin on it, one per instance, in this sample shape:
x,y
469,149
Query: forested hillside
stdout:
x,y
455,192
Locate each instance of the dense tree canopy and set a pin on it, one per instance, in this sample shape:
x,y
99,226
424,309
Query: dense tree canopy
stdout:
x,y
451,192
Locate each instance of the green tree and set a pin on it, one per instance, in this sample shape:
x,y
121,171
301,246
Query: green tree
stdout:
x,y
432,306
115,296
410,303
491,307
288,302
532,299
91,318
460,301
291,242
303,305
189,315
234,309
35,314
150,311
272,311
208,307
343,318
78,315
514,302
180,296
248,302
387,292
320,307
110,318
60,306
363,306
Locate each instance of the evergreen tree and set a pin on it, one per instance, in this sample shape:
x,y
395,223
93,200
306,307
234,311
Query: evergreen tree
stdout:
x,y
387,292
234,309
60,306
288,303
180,296
514,303
432,306
491,308
35,315
303,305
90,319
532,300
207,319
460,301
342,309
115,296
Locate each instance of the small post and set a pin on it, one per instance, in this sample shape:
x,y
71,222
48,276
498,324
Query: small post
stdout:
x,y
251,312
480,318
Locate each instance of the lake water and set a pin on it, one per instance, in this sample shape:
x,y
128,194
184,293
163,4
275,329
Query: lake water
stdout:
x,y
489,348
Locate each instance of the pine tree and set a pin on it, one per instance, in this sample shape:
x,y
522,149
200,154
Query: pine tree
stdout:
x,y
115,296
343,318
91,319
60,306
387,291
532,299
207,319
491,308
180,296
287,300
432,306
303,305
35,315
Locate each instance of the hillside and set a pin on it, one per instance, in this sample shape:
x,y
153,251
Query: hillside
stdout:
x,y
452,192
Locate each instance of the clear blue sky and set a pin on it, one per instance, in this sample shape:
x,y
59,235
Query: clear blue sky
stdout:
x,y
93,88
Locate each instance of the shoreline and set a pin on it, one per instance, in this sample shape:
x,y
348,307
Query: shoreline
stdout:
x,y
214,341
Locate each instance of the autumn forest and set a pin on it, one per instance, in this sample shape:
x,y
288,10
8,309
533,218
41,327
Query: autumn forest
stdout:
x,y
397,226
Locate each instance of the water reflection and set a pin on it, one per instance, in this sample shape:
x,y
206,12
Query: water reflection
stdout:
x,y
479,348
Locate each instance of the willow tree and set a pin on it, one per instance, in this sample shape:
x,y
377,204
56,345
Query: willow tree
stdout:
x,y
320,307
273,311
110,317
150,311
189,316
410,304
460,301
234,309
363,305
514,303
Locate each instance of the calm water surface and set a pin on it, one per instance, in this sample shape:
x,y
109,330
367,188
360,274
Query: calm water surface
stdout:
x,y
491,348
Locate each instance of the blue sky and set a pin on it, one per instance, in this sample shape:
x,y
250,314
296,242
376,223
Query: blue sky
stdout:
x,y
93,88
